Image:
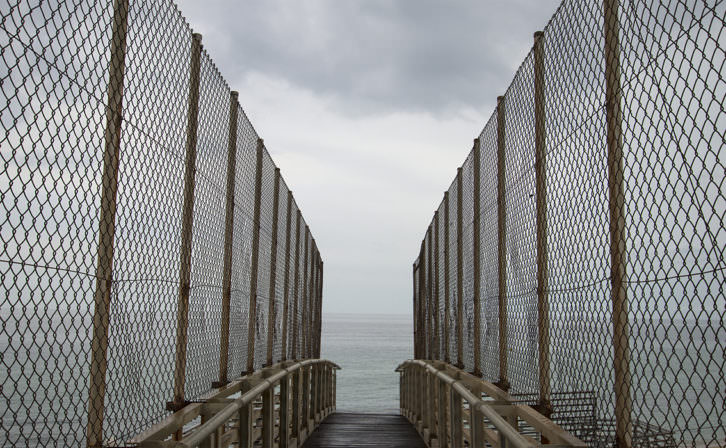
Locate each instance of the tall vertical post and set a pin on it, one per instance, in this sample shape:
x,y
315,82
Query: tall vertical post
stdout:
x,y
503,382
296,287
422,297
459,272
437,327
540,167
306,297
477,260
616,193
182,321
429,298
107,226
286,293
271,294
320,304
228,237
415,311
447,280
252,323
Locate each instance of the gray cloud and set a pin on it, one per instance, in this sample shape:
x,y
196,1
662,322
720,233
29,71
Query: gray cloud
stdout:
x,y
373,56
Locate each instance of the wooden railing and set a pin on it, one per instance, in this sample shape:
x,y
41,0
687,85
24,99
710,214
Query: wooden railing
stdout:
x,y
452,408
278,406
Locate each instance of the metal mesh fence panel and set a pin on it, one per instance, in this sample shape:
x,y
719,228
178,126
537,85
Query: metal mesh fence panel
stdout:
x,y
52,117
628,162
95,117
280,269
521,243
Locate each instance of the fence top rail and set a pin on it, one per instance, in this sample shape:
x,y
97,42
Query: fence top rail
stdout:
x,y
470,388
250,387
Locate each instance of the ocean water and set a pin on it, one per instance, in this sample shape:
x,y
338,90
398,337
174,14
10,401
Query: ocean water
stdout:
x,y
368,348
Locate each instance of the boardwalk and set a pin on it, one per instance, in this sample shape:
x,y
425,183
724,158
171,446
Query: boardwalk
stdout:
x,y
365,430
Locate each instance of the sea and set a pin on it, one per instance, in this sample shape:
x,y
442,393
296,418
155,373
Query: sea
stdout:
x,y
368,348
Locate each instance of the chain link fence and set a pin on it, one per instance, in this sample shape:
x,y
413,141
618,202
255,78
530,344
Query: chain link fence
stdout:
x,y
599,237
140,212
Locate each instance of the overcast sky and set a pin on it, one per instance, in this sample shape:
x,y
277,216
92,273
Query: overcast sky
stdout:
x,y
368,107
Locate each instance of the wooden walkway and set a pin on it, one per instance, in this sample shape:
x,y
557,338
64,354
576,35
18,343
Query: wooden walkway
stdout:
x,y
342,430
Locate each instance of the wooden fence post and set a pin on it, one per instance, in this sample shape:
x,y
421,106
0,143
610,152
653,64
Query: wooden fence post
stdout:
x,y
437,327
296,287
107,226
285,306
503,382
477,260
616,193
429,298
182,321
540,166
228,241
252,323
459,272
447,280
271,294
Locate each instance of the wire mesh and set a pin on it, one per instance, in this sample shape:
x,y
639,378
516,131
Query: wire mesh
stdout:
x,y
56,84
658,381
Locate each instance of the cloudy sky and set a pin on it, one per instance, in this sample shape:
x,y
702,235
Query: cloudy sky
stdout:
x,y
368,107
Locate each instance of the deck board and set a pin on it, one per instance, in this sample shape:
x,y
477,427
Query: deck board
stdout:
x,y
341,430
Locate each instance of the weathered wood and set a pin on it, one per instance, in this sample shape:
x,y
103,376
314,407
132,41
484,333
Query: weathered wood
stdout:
x,y
271,294
228,239
252,315
447,279
502,241
364,430
459,271
286,296
437,327
618,253
107,226
477,257
185,253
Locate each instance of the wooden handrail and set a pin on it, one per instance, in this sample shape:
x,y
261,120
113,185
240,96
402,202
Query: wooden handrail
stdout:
x,y
433,394
218,411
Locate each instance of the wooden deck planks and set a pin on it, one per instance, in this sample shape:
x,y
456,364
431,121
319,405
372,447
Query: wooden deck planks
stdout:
x,y
341,430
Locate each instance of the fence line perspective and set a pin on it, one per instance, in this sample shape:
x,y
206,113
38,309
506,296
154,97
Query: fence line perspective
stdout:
x,y
151,250
577,259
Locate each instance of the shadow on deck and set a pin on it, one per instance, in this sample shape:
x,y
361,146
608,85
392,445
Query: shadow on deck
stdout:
x,y
365,430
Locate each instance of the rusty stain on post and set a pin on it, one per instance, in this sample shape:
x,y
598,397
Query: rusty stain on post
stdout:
x,y
616,193
271,294
286,293
477,259
459,272
540,166
503,382
447,279
228,239
252,322
107,227
187,227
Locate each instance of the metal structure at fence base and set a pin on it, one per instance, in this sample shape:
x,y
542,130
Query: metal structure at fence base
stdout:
x,y
276,406
451,408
